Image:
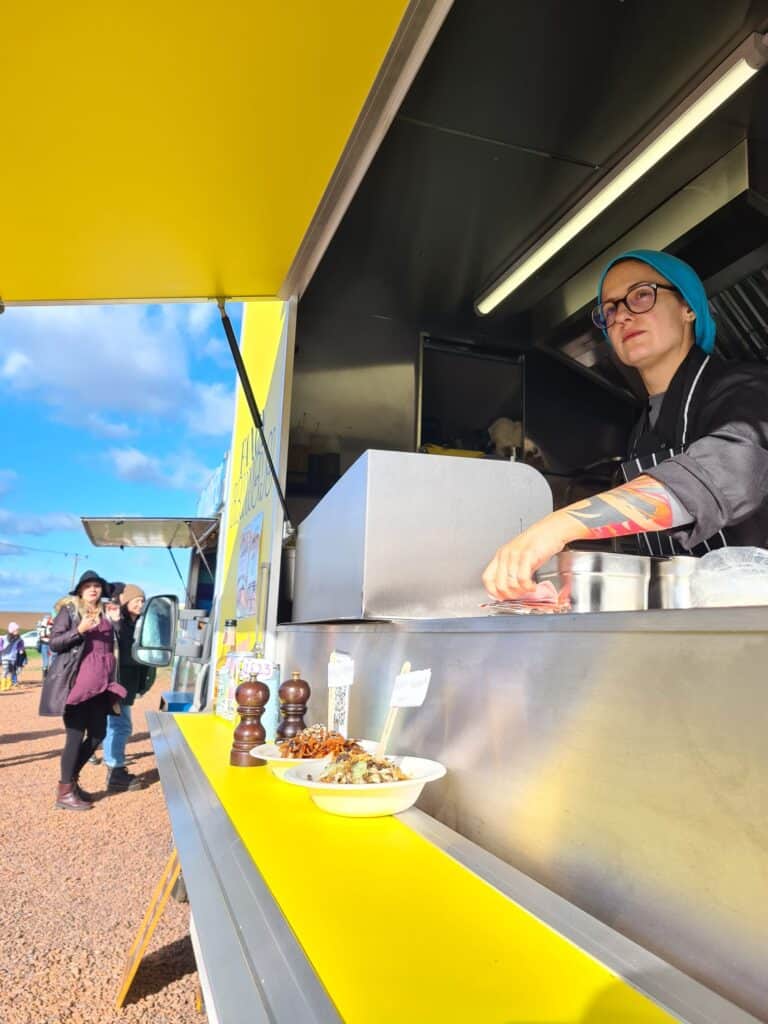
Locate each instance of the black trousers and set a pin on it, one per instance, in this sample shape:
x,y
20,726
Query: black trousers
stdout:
x,y
86,727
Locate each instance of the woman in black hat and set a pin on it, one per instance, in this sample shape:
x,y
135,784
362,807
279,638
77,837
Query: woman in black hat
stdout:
x,y
81,683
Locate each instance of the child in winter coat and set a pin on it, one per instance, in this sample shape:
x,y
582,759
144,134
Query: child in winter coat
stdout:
x,y
13,656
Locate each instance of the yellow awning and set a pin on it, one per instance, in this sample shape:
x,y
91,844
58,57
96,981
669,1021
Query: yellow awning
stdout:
x,y
173,149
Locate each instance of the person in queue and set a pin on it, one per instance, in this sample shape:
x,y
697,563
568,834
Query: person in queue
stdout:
x,y
43,641
13,656
696,474
81,683
136,679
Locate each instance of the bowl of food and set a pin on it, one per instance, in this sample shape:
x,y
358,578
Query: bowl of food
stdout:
x,y
310,747
361,785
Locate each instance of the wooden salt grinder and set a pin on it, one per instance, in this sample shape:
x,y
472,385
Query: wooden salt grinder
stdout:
x,y
294,695
251,697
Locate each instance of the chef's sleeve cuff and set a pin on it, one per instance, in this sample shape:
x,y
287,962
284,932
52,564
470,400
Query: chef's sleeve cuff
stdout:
x,y
684,479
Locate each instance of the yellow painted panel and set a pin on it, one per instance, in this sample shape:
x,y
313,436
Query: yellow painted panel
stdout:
x,y
251,493
172,149
397,930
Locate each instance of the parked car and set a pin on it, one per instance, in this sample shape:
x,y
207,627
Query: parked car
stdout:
x,y
30,639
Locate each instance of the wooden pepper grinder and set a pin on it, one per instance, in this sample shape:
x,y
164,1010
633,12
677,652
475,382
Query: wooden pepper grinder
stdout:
x,y
294,695
251,697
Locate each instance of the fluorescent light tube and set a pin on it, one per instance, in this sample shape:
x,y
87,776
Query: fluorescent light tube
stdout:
x,y
720,86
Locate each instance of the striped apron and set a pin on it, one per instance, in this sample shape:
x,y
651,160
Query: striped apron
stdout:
x,y
662,544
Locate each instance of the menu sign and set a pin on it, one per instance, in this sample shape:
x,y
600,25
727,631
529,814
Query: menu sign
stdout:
x,y
410,689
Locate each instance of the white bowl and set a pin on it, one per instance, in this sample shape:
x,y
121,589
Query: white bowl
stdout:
x,y
368,800
279,765
270,752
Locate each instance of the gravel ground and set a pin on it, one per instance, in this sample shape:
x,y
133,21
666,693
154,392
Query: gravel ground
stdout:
x,y
74,886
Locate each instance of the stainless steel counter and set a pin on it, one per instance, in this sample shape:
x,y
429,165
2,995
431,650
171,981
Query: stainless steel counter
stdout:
x,y
619,759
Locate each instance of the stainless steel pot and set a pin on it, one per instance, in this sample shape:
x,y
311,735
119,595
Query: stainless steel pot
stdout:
x,y
600,581
670,585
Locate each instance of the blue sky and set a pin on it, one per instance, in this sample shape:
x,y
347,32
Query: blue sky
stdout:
x,y
106,410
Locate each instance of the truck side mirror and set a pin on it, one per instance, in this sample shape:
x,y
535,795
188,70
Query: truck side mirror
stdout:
x,y
155,637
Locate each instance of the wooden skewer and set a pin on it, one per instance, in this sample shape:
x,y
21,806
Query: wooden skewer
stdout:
x,y
389,724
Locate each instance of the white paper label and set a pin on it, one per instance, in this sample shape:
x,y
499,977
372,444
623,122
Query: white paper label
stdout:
x,y
410,689
338,709
341,675
263,670
341,669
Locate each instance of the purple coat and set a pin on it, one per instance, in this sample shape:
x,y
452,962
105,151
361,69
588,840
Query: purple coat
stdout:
x,y
71,648
98,666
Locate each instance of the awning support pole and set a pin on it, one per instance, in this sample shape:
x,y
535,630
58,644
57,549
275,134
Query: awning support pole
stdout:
x,y
178,573
242,373
200,551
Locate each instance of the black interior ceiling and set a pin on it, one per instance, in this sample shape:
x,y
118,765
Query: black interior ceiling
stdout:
x,y
519,108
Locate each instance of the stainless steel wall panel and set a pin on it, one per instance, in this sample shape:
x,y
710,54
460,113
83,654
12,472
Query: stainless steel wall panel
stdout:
x,y
619,759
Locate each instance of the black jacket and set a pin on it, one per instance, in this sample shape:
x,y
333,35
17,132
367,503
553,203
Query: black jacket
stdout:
x,y
136,679
721,478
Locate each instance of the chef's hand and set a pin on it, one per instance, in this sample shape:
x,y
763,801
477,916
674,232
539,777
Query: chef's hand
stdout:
x,y
510,573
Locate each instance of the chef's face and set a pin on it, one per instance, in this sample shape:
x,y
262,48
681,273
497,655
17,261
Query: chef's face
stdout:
x,y
643,340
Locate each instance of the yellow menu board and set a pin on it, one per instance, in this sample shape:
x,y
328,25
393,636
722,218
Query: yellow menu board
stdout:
x,y
252,522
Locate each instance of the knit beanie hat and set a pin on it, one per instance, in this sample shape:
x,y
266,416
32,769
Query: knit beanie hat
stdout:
x,y
129,592
687,282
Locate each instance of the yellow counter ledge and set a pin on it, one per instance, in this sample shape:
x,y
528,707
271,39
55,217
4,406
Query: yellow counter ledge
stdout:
x,y
396,930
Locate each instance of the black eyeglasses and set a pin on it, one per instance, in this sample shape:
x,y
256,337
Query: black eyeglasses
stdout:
x,y
639,299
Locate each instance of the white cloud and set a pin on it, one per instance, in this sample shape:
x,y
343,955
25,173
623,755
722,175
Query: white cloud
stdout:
x,y
132,464
97,364
19,522
212,410
196,318
14,365
97,357
217,350
7,549
180,471
108,428
201,316
8,478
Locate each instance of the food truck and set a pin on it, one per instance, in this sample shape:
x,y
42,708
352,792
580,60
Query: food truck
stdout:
x,y
415,201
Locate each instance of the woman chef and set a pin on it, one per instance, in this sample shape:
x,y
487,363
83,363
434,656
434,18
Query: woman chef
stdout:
x,y
697,468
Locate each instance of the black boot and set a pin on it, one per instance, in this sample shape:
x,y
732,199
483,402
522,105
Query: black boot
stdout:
x,y
119,780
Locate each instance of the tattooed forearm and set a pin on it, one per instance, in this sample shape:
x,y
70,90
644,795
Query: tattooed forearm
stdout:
x,y
641,506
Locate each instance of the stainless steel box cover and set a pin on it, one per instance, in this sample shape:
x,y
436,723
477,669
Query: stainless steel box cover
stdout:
x,y
600,581
403,535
